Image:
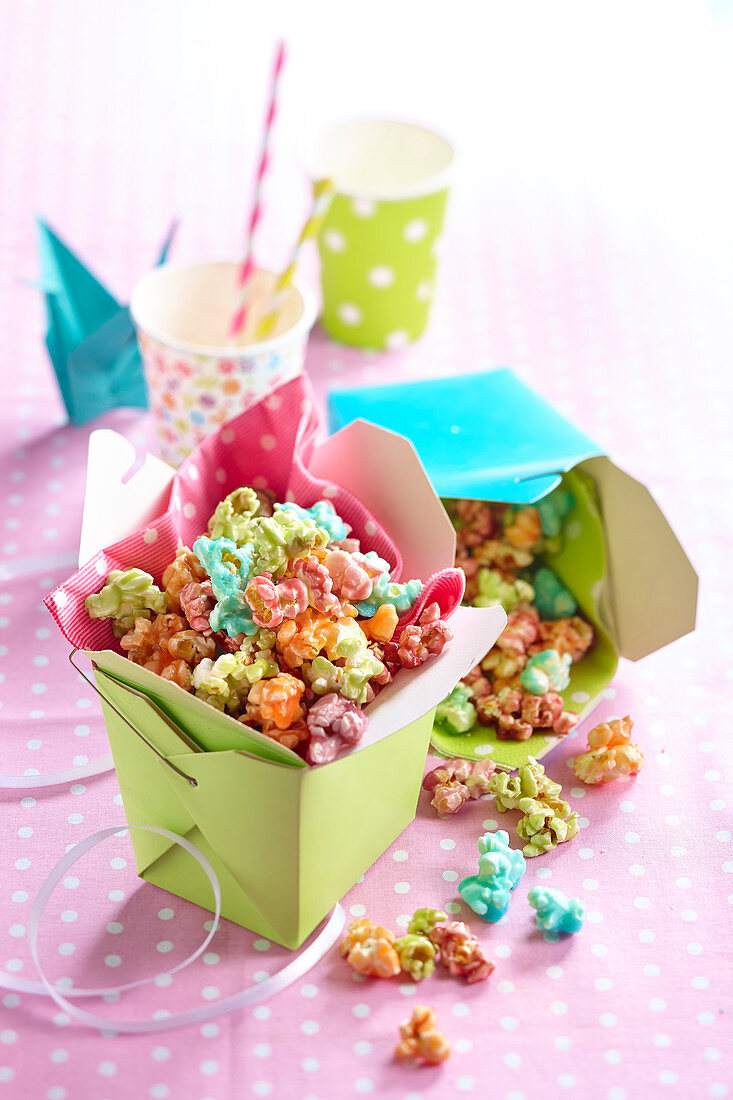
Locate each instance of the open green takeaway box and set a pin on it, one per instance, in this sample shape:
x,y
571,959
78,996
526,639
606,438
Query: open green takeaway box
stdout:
x,y
489,437
286,840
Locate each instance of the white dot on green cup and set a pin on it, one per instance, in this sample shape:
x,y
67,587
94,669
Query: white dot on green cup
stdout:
x,y
415,230
423,291
381,275
349,313
396,340
334,240
364,208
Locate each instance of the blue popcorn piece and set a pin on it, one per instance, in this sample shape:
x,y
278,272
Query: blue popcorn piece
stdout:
x,y
553,509
228,566
546,671
323,515
555,911
402,596
500,868
551,598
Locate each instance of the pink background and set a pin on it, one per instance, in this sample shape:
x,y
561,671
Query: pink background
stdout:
x,y
589,247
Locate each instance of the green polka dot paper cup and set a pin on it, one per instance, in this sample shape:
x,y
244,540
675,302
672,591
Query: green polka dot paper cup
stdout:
x,y
378,244
196,378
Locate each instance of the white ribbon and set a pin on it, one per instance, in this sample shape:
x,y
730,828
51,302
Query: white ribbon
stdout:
x,y
52,779
290,973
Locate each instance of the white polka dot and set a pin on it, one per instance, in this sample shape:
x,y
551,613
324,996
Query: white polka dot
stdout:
x,y
118,863
447,844
227,436
75,819
165,914
636,869
210,993
566,1081
415,231
310,1027
642,903
112,960
17,930
220,474
543,872
69,916
700,983
555,972
647,936
450,876
381,276
632,838
656,1004
585,853
349,313
59,1056
662,1041
607,1019
20,896
706,1018
559,1008
310,1065
116,895
361,1011
613,1057
357,910
712,1054
309,991
485,748
268,442
400,855
688,915
423,291
370,527
590,884
580,697
401,887
262,1050
502,951
603,984
25,831
162,1054
262,1088
364,208
452,907
22,864
465,1084
396,340
333,240
107,1069
67,949
210,1031
262,1012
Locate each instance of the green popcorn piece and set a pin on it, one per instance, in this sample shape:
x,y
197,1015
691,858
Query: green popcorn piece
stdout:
x,y
457,714
282,536
530,782
423,921
233,516
126,596
494,590
323,676
417,955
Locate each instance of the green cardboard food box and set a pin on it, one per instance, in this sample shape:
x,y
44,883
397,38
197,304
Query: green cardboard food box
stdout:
x,y
489,437
286,840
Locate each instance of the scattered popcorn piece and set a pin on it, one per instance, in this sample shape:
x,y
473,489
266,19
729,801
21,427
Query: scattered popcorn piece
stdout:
x,y
369,948
611,753
488,893
421,1041
555,911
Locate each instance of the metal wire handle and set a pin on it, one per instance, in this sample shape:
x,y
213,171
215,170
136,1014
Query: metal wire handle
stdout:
x,y
189,778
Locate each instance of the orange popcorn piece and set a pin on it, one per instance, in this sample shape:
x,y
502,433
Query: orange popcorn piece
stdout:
x,y
290,737
179,672
184,569
302,639
421,1041
525,530
573,636
382,624
369,949
276,701
611,753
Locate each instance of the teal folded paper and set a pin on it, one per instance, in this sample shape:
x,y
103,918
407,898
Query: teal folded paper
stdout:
x,y
90,336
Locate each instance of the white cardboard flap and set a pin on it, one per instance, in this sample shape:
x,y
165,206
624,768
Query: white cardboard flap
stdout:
x,y
116,506
653,584
413,693
384,471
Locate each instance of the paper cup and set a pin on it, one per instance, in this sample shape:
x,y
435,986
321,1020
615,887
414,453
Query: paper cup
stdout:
x,y
378,243
196,379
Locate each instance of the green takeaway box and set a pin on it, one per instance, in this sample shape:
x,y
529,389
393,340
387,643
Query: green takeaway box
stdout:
x,y
287,841
487,436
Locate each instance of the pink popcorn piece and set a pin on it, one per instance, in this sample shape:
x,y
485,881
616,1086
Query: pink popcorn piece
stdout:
x,y
197,602
293,597
333,723
457,781
428,637
318,581
262,597
348,577
461,952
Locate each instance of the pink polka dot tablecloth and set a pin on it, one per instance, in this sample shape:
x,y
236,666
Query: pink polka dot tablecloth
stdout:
x,y
592,260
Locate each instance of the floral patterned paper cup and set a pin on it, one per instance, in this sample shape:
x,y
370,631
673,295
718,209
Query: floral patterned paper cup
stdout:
x,y
196,380
378,243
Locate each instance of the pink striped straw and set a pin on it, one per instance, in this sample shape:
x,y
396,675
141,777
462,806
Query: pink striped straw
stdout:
x,y
247,267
